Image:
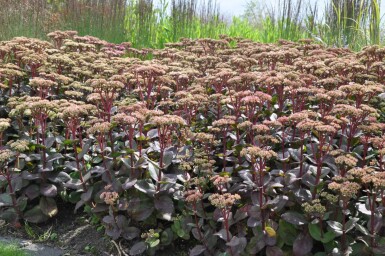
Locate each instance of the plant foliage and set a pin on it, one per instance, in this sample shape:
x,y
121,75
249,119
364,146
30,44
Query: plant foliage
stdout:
x,y
246,148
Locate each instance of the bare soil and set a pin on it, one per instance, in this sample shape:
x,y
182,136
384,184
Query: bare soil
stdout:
x,y
68,231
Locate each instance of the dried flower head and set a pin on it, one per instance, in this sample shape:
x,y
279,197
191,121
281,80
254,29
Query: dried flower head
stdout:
x,y
225,200
220,180
4,124
99,127
257,152
19,145
346,160
346,189
5,155
109,197
167,120
193,196
314,208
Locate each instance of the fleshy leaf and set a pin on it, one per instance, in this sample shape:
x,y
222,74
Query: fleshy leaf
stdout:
x,y
138,248
48,206
294,218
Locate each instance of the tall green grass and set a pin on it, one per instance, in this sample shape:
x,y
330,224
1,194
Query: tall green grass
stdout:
x,y
11,250
36,18
342,23
353,23
150,23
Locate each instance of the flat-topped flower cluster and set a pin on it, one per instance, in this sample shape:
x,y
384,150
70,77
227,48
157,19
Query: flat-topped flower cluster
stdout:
x,y
249,148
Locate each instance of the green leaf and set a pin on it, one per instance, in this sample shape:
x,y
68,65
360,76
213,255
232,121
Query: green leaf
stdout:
x,y
74,197
5,200
166,236
35,215
152,242
287,232
9,215
316,232
115,154
22,203
69,142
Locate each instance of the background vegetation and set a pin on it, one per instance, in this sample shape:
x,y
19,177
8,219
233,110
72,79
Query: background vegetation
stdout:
x,y
149,23
10,250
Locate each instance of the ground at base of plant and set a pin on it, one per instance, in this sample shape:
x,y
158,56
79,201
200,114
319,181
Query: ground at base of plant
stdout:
x,y
74,234
68,231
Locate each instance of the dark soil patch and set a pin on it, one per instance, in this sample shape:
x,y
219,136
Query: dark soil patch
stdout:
x,y
69,231
74,234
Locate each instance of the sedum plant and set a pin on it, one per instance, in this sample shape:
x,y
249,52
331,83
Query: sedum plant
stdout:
x,y
241,148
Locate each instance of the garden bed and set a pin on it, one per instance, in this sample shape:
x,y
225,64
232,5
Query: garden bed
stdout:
x,y
206,147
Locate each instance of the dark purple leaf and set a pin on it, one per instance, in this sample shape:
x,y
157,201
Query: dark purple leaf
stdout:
x,y
165,207
153,170
32,191
130,233
255,245
138,248
54,157
30,176
86,147
78,205
167,158
60,177
108,219
197,250
302,244
48,190
223,234
49,142
73,184
294,218
152,133
86,196
253,222
233,242
122,204
48,206
129,183
121,221
17,183
240,214
140,209
277,203
309,180
146,187
274,251
195,233
113,232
